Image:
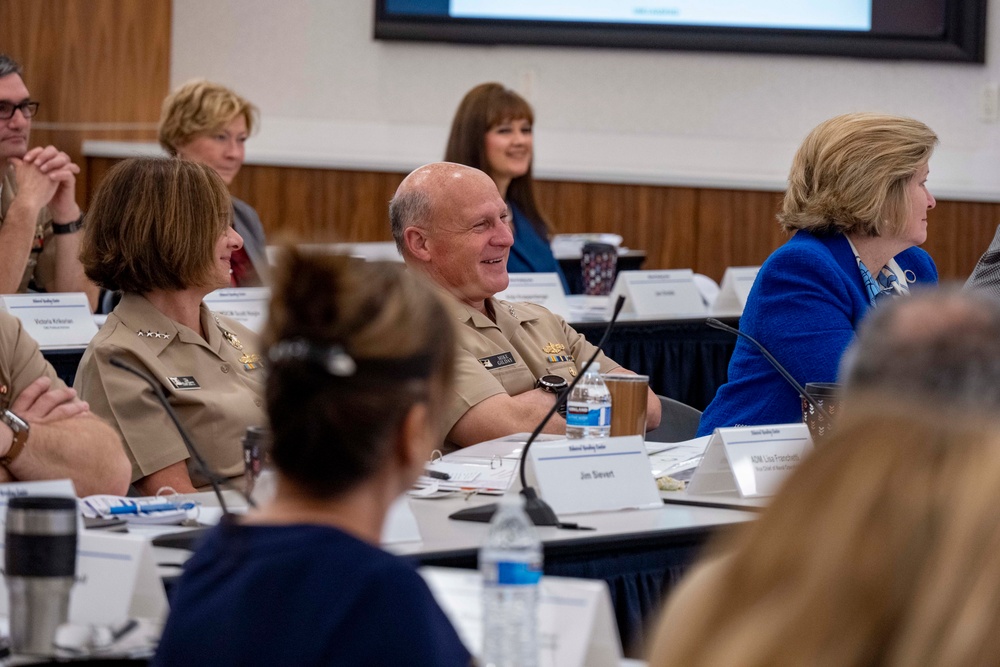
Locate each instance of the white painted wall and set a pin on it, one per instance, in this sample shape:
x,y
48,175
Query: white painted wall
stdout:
x,y
331,95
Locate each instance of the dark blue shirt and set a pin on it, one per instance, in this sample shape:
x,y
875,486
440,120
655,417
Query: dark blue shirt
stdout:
x,y
303,595
531,252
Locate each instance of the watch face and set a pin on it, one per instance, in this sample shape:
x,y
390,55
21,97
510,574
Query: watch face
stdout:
x,y
553,383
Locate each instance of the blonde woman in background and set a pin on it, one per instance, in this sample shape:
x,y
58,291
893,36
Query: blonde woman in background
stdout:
x,y
208,123
881,549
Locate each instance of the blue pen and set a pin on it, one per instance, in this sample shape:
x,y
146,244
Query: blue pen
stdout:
x,y
143,509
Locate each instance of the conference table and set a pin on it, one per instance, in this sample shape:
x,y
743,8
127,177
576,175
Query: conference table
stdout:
x,y
641,554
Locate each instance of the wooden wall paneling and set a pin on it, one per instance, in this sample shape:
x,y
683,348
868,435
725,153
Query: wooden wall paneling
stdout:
x,y
100,68
703,229
958,233
736,228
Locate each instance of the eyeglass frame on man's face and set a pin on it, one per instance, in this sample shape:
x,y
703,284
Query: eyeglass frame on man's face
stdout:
x,y
28,109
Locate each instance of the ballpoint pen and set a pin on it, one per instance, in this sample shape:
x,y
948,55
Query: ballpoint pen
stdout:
x,y
135,508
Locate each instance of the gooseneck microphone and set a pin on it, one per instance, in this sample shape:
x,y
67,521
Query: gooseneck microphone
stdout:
x,y
539,511
213,477
716,324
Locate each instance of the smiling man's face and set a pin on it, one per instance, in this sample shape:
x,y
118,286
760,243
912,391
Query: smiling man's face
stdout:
x,y
469,238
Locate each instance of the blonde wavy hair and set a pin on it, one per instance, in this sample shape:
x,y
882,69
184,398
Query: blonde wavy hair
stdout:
x,y
850,174
201,107
881,549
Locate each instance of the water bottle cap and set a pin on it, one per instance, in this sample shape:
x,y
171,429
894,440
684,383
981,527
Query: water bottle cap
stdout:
x,y
595,367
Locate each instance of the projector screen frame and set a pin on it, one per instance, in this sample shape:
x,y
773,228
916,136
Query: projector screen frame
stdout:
x,y
964,38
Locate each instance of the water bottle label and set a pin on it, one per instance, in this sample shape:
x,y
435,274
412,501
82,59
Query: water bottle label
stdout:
x,y
583,415
517,574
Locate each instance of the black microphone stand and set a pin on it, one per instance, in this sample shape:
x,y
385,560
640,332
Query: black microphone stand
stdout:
x,y
539,511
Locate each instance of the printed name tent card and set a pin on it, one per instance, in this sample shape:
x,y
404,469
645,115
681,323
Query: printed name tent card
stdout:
x,y
545,289
659,293
751,460
736,284
594,474
54,320
246,305
576,623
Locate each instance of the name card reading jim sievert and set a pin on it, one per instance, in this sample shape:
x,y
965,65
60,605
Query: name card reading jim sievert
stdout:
x,y
594,474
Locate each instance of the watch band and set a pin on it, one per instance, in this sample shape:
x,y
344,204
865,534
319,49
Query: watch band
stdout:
x,y
69,227
20,429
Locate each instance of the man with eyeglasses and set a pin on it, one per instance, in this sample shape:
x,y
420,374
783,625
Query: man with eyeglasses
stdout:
x,y
40,221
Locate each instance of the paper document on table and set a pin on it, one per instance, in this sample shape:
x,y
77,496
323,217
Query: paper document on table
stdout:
x,y
675,458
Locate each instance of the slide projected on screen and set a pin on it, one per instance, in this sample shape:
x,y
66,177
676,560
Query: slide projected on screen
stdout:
x,y
789,14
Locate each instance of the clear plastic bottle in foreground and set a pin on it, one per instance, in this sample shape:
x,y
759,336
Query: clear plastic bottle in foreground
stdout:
x,y
588,409
511,565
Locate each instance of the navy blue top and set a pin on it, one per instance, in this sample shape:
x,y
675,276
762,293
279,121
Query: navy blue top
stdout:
x,y
531,252
804,307
303,595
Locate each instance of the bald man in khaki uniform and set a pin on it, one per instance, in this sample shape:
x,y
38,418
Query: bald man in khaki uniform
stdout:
x,y
64,439
216,388
451,225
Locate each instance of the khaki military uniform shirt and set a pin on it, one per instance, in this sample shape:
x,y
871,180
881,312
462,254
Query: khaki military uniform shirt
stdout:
x,y
526,342
41,264
21,362
216,389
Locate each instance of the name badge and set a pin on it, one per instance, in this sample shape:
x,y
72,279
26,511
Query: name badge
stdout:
x,y
659,293
498,361
594,474
736,284
545,289
184,382
246,305
55,321
750,460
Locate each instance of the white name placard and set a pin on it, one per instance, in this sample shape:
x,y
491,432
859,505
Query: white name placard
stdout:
x,y
56,320
545,289
53,488
752,460
400,523
736,284
594,474
246,305
576,624
659,293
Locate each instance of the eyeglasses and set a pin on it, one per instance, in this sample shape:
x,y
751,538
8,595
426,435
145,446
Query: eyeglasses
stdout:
x,y
28,109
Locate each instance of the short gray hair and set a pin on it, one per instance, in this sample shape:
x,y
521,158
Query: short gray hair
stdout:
x,y
8,66
407,209
941,345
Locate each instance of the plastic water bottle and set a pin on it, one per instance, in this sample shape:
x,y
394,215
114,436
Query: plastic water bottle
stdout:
x,y
588,410
511,564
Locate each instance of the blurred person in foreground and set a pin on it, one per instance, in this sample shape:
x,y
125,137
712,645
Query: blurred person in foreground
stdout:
x,y
941,345
880,549
451,225
160,231
209,123
493,132
858,204
358,375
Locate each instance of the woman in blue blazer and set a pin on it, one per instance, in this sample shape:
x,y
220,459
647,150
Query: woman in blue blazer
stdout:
x,y
857,204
